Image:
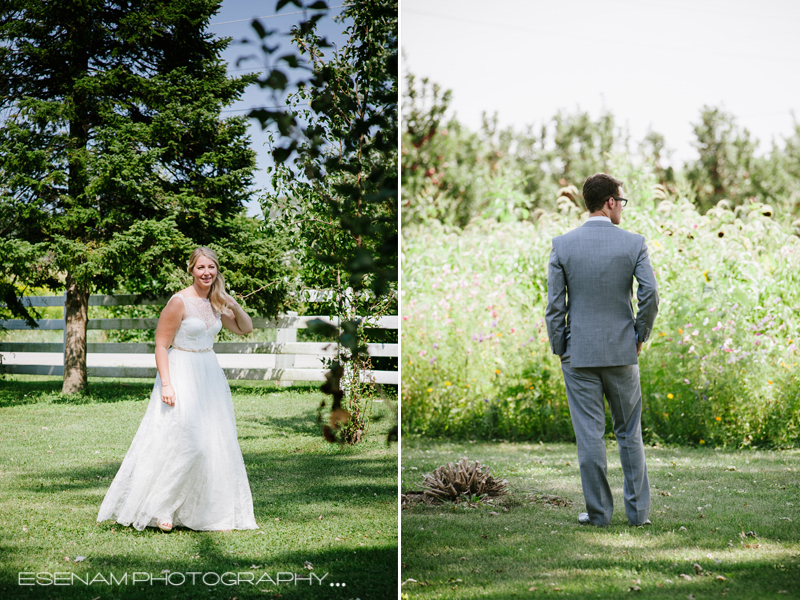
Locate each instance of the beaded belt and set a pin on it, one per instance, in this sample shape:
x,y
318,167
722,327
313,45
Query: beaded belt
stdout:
x,y
187,350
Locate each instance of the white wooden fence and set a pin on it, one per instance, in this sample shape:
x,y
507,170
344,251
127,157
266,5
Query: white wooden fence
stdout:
x,y
284,360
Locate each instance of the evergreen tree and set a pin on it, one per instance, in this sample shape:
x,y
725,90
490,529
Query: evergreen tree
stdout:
x,y
114,159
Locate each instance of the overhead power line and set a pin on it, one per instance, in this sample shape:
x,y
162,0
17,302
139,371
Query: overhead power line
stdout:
x,y
264,108
299,12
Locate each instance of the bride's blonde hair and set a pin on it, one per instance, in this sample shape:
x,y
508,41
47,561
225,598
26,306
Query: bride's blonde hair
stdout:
x,y
215,295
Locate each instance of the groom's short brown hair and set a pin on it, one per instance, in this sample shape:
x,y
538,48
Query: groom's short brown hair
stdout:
x,y
597,189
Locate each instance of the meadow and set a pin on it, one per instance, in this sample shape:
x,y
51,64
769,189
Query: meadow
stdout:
x,y
327,513
720,368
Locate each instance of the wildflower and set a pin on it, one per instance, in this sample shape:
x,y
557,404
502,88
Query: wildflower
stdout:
x,y
422,353
447,383
718,418
466,385
769,382
680,331
497,371
705,274
666,415
670,396
686,381
431,361
702,441
430,390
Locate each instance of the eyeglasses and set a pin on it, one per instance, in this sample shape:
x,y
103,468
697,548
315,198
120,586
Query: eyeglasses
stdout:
x,y
623,200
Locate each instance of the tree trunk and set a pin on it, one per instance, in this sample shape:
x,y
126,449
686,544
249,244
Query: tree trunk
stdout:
x,y
76,317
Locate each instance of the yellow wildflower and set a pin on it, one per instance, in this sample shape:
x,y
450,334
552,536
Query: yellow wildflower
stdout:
x,y
497,371
447,383
670,396
680,330
702,441
430,389
705,274
718,418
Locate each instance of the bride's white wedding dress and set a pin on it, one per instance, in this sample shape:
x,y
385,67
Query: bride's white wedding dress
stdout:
x,y
184,465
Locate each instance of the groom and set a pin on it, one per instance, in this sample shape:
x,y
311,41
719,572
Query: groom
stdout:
x,y
592,327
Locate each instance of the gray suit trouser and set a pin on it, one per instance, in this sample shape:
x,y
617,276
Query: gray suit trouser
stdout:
x,y
620,386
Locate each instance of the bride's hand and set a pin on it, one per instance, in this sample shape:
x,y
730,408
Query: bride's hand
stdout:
x,y
168,394
230,301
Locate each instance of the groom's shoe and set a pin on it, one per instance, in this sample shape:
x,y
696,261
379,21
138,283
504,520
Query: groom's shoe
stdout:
x,y
583,518
646,523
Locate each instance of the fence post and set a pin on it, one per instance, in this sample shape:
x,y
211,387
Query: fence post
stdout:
x,y
285,361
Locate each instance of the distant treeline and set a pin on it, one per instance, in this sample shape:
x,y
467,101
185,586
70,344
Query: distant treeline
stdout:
x,y
452,174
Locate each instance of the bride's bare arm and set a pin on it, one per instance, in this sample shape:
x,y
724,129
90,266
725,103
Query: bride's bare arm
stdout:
x,y
168,324
240,323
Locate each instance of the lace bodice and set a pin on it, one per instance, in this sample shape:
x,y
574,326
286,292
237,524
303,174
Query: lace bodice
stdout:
x,y
200,324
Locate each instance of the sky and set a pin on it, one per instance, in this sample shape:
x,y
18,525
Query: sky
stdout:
x,y
652,64
235,20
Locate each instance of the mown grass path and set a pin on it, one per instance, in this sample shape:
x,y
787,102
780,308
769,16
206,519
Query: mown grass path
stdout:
x,y
314,502
533,550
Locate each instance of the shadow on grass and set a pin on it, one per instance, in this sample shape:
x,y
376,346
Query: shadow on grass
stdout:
x,y
304,424
19,391
16,392
280,484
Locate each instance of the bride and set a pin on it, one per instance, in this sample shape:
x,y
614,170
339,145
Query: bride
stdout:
x,y
184,466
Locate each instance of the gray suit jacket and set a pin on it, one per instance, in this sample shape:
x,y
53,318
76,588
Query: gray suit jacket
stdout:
x,y
589,295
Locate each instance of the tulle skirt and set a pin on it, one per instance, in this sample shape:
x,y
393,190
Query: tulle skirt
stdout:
x,y
184,465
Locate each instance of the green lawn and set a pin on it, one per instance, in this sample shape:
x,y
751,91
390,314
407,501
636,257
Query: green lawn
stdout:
x,y
334,507
534,550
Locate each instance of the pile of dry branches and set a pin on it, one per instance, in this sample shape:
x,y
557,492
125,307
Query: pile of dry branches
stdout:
x,y
464,478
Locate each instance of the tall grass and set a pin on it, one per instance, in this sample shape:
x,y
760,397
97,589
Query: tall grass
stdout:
x,y
720,368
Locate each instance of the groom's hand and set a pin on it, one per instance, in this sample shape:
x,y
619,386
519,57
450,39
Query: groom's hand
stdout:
x,y
638,348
